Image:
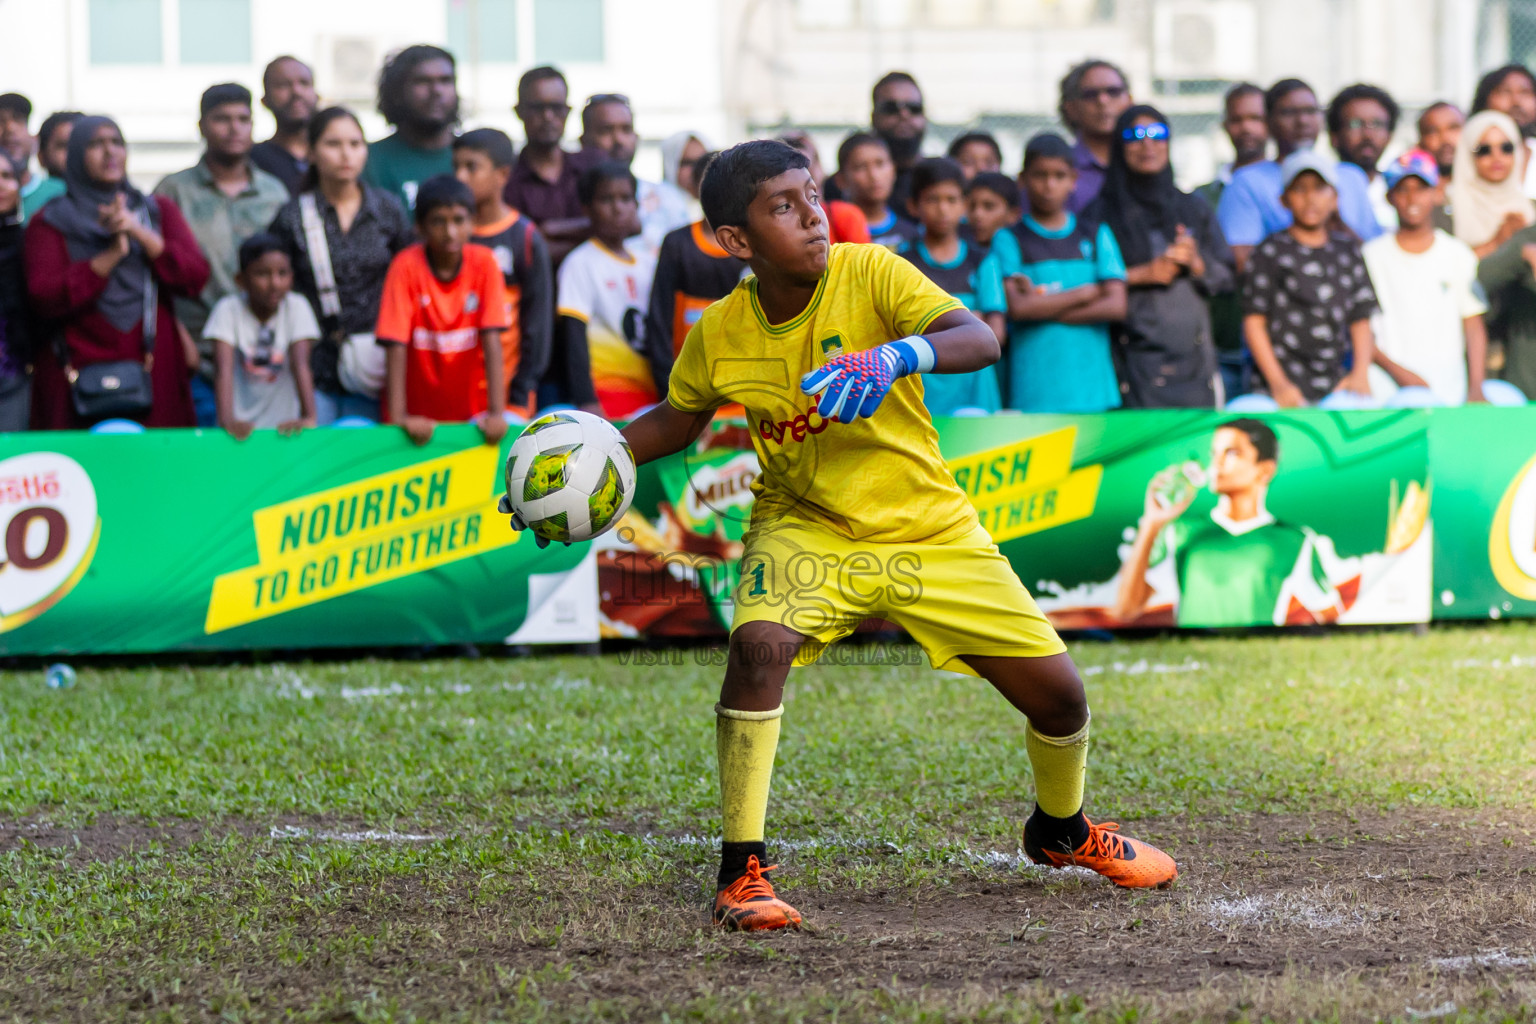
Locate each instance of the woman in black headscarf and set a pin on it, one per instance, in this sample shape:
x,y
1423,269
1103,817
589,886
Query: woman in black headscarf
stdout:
x,y
103,263
1175,258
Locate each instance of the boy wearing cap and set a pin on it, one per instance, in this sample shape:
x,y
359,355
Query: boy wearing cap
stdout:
x,y
1429,333
1308,299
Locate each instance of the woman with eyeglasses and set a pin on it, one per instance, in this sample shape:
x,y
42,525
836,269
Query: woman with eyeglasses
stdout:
x,y
1487,200
103,262
1490,212
1175,258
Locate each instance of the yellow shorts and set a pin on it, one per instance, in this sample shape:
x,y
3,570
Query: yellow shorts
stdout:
x,y
956,598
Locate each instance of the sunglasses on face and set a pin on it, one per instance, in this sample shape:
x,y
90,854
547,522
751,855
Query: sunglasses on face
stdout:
x,y
1507,148
1155,132
1109,92
890,108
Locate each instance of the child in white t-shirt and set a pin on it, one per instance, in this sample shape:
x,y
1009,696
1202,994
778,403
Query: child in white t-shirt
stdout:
x,y
1430,331
604,291
262,337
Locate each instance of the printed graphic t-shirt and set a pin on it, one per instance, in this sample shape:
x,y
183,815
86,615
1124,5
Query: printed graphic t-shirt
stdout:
x,y
610,293
439,323
878,479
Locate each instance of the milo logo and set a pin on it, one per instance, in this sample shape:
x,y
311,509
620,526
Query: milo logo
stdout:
x,y
713,489
49,527
1512,540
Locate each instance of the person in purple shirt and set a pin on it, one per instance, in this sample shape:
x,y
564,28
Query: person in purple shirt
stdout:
x,y
1093,96
1250,209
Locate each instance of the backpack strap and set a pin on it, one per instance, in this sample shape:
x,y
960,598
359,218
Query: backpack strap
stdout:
x,y
319,255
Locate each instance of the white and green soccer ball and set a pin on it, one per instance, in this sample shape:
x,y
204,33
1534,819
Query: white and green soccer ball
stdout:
x,y
570,475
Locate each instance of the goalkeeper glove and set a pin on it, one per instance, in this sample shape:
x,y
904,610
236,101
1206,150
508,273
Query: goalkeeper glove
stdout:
x,y
504,506
853,385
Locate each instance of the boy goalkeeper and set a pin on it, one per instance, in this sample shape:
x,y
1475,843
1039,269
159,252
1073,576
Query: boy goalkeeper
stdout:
x,y
855,514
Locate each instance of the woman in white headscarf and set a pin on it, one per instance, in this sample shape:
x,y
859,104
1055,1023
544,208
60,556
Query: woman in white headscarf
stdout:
x,y
1487,199
678,153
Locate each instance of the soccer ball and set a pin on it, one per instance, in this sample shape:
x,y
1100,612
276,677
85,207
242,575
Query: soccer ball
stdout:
x,y
570,475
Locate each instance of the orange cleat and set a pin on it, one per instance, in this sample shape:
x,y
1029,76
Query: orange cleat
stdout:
x,y
1127,862
749,905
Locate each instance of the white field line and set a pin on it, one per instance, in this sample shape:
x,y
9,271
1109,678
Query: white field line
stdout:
x,y
292,687
1487,958
369,836
1277,908
1513,661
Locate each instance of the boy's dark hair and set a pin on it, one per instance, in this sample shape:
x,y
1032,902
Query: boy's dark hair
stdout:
x,y
442,190
889,78
1280,90
1047,145
16,103
493,142
986,138
856,141
1004,187
533,76
935,170
216,96
1260,433
593,177
1072,81
53,122
1237,92
258,245
1361,91
732,178
397,68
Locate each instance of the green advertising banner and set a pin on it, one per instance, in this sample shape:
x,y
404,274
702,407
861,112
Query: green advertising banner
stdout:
x,y
188,540
1485,510
1131,519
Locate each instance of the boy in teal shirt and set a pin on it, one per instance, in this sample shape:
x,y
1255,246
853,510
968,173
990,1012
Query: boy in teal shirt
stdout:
x,y
1065,284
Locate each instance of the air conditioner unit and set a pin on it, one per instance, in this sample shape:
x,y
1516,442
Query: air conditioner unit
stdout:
x,y
1204,39
352,68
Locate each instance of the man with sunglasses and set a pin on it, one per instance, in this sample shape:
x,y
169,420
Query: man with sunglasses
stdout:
x,y
1361,120
1250,209
542,186
1093,96
897,116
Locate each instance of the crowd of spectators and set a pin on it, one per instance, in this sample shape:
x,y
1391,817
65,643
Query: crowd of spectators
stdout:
x,y
438,276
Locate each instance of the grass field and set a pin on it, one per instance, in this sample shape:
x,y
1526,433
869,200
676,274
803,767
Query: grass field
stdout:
x,y
1354,817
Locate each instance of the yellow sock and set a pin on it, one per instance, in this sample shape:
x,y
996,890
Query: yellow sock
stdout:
x,y
1060,763
746,741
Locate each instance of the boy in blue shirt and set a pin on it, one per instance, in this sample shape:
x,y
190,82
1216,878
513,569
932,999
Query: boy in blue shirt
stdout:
x,y
964,270
1065,283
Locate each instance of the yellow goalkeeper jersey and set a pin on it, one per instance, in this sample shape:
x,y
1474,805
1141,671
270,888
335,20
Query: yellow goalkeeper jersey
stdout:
x,y
878,479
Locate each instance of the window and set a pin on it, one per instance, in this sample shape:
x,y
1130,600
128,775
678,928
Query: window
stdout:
x,y
124,31
567,30
483,29
215,31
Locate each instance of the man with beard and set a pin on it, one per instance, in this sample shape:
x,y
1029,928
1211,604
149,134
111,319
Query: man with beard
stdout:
x,y
419,95
1361,120
1250,209
608,132
226,199
896,116
1439,131
288,91
1093,96
1511,90
543,182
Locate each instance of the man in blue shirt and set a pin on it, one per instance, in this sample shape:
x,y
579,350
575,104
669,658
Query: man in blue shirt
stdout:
x,y
1250,209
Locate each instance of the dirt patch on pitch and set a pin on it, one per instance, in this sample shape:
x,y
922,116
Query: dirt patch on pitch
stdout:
x,y
1280,916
